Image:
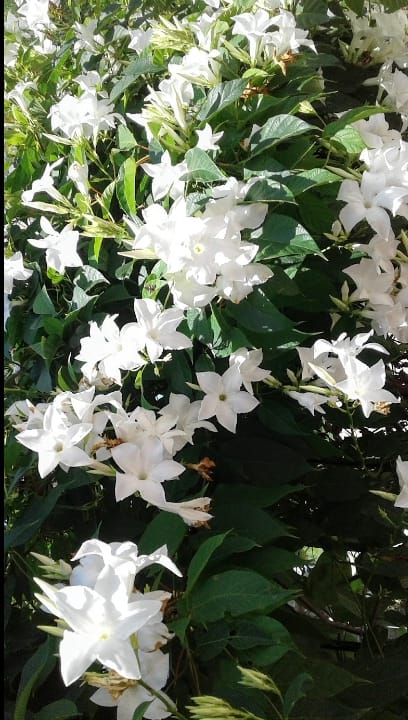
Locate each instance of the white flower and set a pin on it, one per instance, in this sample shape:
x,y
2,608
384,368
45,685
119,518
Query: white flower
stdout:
x,y
223,398
96,557
145,467
309,400
56,442
365,384
364,203
79,175
253,26
247,362
87,37
110,349
199,67
100,629
402,473
83,116
288,38
345,347
154,669
371,284
166,177
184,415
140,39
207,140
14,270
156,328
44,184
61,247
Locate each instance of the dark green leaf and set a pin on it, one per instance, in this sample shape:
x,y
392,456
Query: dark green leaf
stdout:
x,y
43,304
165,529
138,67
201,168
201,558
275,130
295,692
38,666
58,710
283,235
235,591
220,97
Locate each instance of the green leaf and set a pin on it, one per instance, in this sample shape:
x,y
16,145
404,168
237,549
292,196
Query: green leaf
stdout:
x,y
257,313
349,139
165,529
126,140
266,190
351,116
314,12
283,236
201,558
125,188
58,710
43,304
38,666
213,640
295,692
275,130
39,509
234,591
138,67
200,167
140,711
357,6
220,97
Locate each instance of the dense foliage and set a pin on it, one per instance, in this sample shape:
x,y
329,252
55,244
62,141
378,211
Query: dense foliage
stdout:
x,y
206,334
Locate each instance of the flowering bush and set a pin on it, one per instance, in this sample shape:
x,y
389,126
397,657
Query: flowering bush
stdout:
x,y
206,326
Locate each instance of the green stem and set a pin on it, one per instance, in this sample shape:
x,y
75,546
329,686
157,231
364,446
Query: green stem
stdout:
x,y
164,699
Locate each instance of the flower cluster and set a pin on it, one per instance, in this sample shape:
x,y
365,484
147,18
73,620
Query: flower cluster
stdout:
x,y
343,376
102,616
204,254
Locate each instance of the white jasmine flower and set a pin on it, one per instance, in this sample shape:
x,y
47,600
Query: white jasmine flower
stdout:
x,y
253,26
56,442
145,467
87,37
198,67
84,116
345,347
156,329
140,39
247,362
207,140
184,415
309,400
371,284
79,175
223,397
288,38
166,177
376,132
100,629
95,557
60,246
364,203
365,384
109,349
44,184
14,270
154,670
